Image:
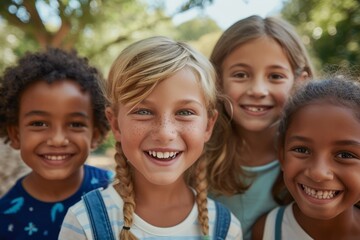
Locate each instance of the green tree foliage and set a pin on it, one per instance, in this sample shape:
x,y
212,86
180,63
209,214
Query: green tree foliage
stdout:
x,y
97,29
197,27
331,27
93,27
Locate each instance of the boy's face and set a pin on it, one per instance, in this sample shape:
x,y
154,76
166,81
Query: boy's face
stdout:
x,y
55,132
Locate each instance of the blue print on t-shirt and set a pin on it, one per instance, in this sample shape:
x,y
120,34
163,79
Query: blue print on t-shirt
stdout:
x,y
58,207
17,203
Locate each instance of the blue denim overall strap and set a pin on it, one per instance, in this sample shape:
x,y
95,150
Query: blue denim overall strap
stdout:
x,y
98,216
222,221
278,222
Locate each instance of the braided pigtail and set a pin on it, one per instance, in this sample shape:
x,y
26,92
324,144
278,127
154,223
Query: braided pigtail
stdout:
x,y
201,186
126,190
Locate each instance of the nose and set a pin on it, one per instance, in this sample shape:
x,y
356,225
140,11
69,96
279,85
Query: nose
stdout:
x,y
58,138
319,170
258,88
164,130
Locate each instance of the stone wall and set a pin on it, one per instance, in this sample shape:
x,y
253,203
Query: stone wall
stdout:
x,y
11,167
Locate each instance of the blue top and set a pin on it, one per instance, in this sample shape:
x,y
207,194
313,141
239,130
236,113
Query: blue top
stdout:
x,y
24,217
257,200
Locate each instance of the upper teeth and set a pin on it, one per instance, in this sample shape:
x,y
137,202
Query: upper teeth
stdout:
x,y
319,194
55,157
255,109
163,154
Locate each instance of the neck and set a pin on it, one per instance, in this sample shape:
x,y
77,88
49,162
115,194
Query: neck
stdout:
x,y
163,206
52,190
259,147
344,226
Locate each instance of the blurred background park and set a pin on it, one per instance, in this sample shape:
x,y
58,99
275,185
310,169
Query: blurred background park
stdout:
x,y
100,29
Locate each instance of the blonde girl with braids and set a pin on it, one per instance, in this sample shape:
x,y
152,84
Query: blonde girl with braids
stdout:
x,y
163,98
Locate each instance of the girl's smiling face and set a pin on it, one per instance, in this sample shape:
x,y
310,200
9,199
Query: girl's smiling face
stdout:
x,y
164,134
321,159
257,76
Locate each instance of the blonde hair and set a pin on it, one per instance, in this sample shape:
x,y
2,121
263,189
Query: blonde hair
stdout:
x,y
133,76
224,168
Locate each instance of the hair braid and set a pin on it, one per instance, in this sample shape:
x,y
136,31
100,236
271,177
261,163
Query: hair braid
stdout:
x,y
126,190
201,186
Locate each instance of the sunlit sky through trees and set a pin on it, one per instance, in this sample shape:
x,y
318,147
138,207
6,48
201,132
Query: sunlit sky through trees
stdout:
x,y
226,12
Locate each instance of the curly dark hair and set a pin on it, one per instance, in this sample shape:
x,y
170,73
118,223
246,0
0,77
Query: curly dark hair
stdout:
x,y
51,65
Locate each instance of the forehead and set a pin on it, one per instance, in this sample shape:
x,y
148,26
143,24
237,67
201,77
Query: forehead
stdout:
x,y
55,96
263,48
324,120
183,84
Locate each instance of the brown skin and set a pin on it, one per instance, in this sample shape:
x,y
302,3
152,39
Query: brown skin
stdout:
x,y
258,228
321,171
55,135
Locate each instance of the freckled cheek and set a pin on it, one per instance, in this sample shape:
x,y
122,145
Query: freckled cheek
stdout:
x,y
133,134
193,129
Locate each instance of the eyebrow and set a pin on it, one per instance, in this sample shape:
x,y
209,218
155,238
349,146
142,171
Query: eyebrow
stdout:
x,y
274,66
43,113
348,142
181,102
298,138
339,142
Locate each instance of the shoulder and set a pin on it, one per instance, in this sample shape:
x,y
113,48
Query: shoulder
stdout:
x,y
218,213
14,194
265,226
97,176
109,196
77,220
258,228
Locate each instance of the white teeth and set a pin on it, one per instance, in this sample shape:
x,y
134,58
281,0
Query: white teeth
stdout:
x,y
162,154
255,109
55,157
319,194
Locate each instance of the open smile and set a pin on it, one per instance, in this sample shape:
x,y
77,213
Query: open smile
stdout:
x,y
163,156
255,109
56,157
319,194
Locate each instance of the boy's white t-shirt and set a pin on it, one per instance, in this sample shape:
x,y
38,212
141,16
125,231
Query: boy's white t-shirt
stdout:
x,y
76,223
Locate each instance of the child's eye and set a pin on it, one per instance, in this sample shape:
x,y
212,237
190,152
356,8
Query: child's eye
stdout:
x,y
240,75
185,113
77,125
142,111
38,124
302,150
276,76
345,155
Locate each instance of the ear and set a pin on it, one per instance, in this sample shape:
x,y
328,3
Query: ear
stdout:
x,y
303,77
13,132
95,138
112,119
210,125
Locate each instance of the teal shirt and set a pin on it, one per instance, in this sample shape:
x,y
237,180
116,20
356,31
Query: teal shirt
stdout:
x,y
257,200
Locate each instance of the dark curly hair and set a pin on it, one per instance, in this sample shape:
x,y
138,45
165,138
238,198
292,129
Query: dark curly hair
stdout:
x,y
50,65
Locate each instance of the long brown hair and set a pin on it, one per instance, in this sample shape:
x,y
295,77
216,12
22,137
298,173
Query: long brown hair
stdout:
x,y
224,167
